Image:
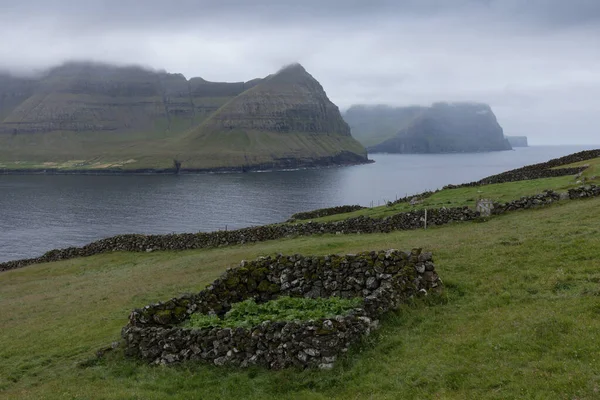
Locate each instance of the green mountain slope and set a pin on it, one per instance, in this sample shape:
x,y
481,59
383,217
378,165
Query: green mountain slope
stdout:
x,y
82,116
285,120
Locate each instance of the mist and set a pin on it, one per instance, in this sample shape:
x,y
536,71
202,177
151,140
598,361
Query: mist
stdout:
x,y
537,63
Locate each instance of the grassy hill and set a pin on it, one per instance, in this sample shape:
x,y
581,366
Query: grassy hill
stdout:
x,y
518,319
86,116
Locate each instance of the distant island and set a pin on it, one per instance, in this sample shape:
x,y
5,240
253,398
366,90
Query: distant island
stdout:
x,y
440,128
518,141
90,117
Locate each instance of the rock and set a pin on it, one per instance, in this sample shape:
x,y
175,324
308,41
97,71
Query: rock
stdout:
x,y
302,356
312,352
372,283
220,360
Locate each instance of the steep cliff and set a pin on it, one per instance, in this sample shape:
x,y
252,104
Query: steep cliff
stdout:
x,y
448,128
84,115
373,124
285,120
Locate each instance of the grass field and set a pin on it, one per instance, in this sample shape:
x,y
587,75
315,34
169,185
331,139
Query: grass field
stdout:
x,y
520,318
97,151
467,196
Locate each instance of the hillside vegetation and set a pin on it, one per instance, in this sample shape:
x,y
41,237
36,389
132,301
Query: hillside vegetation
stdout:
x,y
95,117
468,196
518,318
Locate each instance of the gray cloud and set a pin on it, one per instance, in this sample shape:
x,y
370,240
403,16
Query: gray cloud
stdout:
x,y
152,13
537,62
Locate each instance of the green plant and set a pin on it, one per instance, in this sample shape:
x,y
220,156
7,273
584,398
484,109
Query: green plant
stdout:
x,y
248,313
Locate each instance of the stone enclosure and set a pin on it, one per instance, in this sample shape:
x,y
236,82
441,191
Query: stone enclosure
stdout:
x,y
383,279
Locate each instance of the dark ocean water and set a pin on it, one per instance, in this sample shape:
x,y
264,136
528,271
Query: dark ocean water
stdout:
x,y
40,213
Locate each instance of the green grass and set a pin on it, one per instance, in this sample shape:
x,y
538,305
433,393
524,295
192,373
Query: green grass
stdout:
x,y
520,318
96,151
248,313
467,196
152,142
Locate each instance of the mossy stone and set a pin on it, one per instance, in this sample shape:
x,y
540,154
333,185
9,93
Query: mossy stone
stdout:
x,y
232,281
260,272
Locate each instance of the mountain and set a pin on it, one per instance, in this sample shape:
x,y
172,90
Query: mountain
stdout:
x,y
286,118
517,141
373,124
442,128
83,115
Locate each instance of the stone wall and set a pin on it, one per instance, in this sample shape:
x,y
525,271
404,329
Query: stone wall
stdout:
x,y
584,192
415,198
186,241
324,212
546,198
382,279
525,202
537,171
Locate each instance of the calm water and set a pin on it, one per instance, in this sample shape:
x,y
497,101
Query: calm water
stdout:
x,y
39,213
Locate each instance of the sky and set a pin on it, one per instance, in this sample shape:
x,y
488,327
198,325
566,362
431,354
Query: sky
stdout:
x,y
536,62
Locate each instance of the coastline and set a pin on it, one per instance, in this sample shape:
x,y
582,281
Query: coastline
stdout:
x,y
271,167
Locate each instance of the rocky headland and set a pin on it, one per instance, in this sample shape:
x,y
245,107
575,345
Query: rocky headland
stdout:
x,y
517,141
440,128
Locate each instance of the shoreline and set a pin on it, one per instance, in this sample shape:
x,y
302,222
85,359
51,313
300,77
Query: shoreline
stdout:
x,y
530,172
173,171
410,220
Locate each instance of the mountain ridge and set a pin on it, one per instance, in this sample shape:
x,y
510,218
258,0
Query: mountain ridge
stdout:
x,y
130,118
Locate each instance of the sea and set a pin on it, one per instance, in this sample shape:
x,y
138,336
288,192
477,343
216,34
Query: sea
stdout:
x,y
43,212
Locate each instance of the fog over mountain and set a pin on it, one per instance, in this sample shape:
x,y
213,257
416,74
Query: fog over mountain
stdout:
x,y
536,62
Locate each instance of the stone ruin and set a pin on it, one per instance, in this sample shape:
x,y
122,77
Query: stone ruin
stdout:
x,y
383,279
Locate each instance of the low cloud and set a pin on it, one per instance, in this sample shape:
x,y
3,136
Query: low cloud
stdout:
x,y
536,62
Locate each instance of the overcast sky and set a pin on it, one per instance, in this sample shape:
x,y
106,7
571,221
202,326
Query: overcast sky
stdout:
x,y
536,62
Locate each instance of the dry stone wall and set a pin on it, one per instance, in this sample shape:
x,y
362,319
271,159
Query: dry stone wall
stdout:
x,y
187,241
546,198
537,171
324,212
382,279
401,221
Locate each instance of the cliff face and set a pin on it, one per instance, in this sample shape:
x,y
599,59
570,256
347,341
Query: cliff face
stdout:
x,y
80,97
372,125
517,141
130,117
287,115
448,128
289,101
